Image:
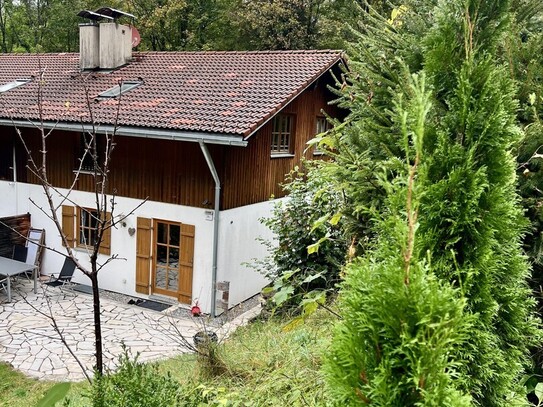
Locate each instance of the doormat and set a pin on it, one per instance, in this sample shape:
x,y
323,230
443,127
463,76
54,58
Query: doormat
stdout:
x,y
153,305
82,288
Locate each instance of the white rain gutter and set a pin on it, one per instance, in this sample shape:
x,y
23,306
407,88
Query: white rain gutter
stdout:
x,y
213,171
131,131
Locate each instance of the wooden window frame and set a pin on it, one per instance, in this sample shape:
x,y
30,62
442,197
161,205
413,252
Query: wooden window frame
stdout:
x,y
87,167
82,213
282,135
86,224
319,130
71,228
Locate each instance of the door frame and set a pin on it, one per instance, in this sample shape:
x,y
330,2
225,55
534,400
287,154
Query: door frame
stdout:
x,y
183,294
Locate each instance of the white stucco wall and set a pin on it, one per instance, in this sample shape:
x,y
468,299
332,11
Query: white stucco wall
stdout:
x,y
238,230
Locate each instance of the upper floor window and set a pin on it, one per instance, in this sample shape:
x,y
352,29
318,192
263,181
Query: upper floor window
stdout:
x,y
282,134
321,126
86,152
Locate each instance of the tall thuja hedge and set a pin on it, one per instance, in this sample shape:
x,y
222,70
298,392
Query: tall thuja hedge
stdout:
x,y
470,222
403,328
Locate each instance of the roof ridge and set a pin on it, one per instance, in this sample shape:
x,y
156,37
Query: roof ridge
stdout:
x,y
217,52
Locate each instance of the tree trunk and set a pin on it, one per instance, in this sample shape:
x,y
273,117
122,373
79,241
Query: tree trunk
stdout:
x,y
97,325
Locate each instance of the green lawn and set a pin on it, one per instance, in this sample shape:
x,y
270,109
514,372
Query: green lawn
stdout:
x,y
18,390
260,365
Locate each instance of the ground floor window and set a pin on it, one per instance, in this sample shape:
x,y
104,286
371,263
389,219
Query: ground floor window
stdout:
x,y
80,225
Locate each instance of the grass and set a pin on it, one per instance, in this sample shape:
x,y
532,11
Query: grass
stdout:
x,y
266,366
18,390
260,365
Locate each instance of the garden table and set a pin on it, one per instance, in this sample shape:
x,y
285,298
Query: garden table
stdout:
x,y
10,268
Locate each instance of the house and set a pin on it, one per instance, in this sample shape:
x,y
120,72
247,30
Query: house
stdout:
x,y
205,137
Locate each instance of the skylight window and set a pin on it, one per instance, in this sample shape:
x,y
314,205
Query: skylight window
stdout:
x,y
12,85
115,91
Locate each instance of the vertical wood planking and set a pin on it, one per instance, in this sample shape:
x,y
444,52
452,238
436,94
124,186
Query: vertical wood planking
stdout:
x,y
143,255
186,259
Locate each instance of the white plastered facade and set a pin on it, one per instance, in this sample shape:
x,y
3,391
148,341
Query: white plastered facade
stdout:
x,y
239,230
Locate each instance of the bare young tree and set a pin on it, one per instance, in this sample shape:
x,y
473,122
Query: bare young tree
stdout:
x,y
102,216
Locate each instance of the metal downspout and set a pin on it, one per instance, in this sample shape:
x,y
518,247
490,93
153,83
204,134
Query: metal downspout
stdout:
x,y
213,171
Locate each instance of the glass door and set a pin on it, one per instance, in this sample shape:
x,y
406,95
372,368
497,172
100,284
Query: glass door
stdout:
x,y
166,259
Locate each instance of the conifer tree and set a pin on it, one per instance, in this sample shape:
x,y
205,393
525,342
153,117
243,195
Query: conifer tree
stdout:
x,y
403,328
470,222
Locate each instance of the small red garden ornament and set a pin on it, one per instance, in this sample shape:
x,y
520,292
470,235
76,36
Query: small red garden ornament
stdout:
x,y
195,310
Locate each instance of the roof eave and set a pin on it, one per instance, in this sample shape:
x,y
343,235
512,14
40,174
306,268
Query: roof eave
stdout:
x,y
132,131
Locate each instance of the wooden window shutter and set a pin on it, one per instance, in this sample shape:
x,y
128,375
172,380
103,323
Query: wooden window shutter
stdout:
x,y
186,258
143,255
105,246
68,224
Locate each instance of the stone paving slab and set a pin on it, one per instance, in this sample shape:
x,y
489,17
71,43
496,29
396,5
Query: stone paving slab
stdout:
x,y
30,344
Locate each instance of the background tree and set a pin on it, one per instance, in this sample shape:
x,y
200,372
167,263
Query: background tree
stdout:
x,y
279,24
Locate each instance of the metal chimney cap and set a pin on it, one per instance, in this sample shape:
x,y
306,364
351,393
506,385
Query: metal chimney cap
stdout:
x,y
94,16
113,13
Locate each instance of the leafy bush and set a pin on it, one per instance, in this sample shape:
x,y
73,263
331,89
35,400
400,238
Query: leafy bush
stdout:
x,y
135,384
311,246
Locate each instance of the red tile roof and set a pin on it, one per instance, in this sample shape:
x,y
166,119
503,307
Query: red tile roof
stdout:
x,y
215,92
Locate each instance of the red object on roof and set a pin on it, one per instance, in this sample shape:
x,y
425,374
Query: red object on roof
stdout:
x,y
217,92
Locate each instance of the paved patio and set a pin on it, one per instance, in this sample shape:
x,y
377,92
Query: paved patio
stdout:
x,y
30,344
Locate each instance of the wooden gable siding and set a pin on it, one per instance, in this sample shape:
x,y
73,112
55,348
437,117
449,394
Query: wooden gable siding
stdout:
x,y
252,174
176,172
160,170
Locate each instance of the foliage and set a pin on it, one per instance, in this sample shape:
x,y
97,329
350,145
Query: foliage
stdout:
x,y
279,24
183,25
51,25
54,394
310,249
135,384
403,329
470,221
480,229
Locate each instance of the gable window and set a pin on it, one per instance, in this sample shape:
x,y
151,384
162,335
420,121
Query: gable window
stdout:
x,y
80,225
282,134
124,87
321,126
12,85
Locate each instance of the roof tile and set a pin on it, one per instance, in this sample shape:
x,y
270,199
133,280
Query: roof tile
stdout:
x,y
225,92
